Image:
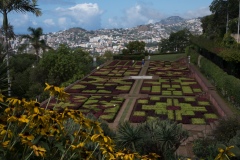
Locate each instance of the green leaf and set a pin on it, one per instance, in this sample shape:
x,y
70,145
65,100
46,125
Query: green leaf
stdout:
x,y
60,147
71,138
37,139
236,151
44,145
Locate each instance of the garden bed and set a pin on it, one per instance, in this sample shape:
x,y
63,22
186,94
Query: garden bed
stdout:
x,y
101,106
186,110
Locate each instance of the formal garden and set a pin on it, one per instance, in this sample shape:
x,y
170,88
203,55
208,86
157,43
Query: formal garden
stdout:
x,y
171,93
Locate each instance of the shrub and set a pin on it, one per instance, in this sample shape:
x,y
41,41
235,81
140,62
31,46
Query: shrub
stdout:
x,y
226,129
205,148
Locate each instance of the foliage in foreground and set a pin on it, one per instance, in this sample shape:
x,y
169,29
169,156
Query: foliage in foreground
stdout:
x,y
28,131
155,135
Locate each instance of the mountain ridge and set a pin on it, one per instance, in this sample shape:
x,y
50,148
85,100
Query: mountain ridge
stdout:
x,y
143,27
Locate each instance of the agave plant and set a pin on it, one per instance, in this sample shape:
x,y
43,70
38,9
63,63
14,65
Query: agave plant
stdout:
x,y
129,136
153,136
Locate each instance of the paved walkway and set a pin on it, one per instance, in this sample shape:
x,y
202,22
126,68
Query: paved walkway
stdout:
x,y
125,111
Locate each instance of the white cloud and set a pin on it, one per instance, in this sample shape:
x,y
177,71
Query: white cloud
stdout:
x,y
136,15
197,13
62,21
34,23
20,20
49,22
86,15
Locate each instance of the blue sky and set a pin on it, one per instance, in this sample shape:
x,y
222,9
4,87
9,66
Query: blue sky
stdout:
x,y
98,14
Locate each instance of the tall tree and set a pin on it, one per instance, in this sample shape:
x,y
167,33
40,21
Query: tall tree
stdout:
x,y
4,47
108,55
221,10
176,42
180,40
136,47
35,40
22,6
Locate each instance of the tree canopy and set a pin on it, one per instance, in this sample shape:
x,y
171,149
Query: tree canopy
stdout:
x,y
214,25
176,42
136,47
59,67
35,40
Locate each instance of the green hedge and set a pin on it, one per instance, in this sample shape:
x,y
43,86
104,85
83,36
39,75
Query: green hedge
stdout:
x,y
217,47
227,85
129,57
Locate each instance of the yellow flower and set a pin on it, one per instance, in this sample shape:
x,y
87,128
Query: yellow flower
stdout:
x,y
5,144
62,95
38,150
50,88
1,98
96,126
54,128
13,101
57,91
7,110
126,155
31,105
26,137
151,156
80,145
41,130
12,119
4,131
23,119
39,117
223,154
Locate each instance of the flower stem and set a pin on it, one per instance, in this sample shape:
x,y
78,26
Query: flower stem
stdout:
x,y
29,155
93,151
48,103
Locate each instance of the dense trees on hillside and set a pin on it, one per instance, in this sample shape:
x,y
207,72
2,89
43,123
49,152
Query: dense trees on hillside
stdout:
x,y
59,67
176,42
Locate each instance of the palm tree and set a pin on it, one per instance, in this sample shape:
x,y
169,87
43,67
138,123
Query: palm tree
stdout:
x,y
35,41
23,6
5,49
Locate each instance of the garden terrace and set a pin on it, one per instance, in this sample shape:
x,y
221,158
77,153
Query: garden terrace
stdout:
x,y
168,86
110,94
119,68
101,85
168,69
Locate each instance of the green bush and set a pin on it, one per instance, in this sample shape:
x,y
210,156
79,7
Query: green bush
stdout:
x,y
227,129
205,148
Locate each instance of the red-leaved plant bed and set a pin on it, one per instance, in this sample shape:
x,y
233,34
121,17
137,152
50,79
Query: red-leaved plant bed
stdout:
x,y
173,108
138,119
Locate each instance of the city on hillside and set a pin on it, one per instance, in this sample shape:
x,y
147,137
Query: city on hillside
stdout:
x,y
114,40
